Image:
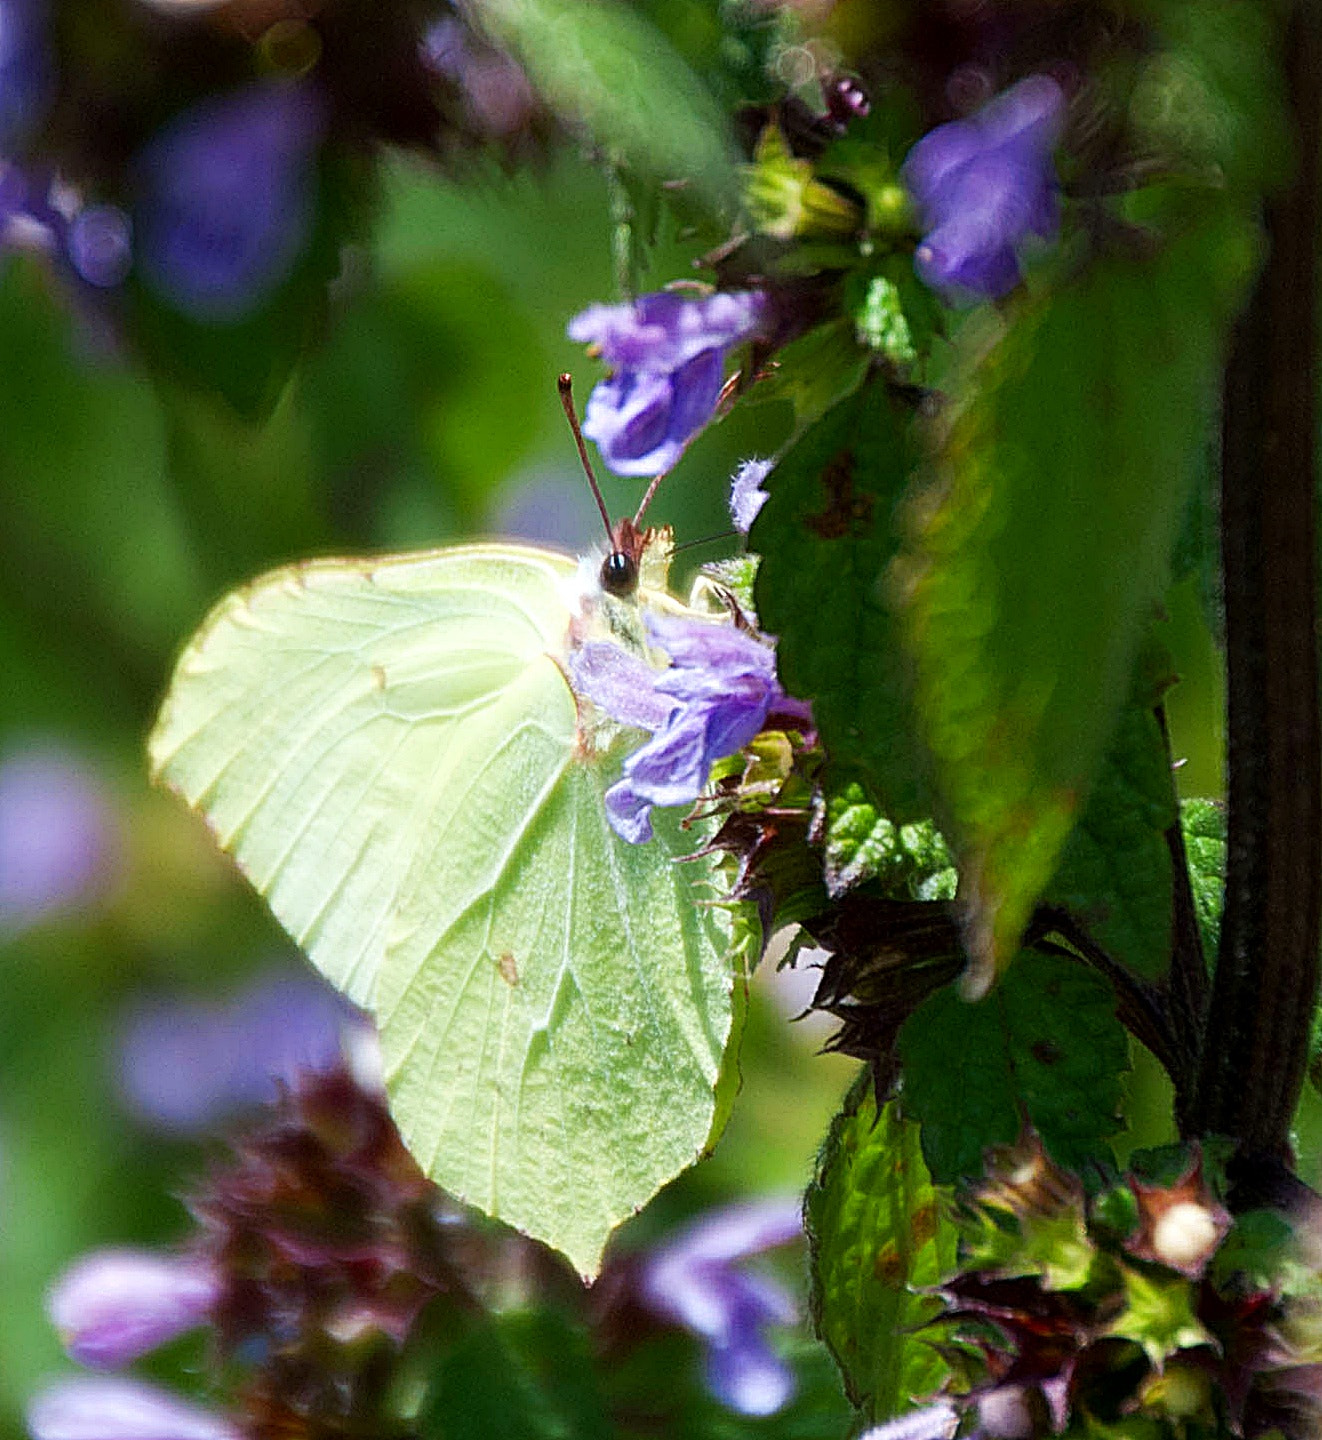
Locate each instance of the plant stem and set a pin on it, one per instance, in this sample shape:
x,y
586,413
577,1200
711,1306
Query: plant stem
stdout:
x,y
1255,1043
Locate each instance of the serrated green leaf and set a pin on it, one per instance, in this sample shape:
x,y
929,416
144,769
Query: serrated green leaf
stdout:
x,y
1204,824
604,65
826,536
1052,1244
1114,875
1044,1049
814,373
1072,434
910,862
877,1233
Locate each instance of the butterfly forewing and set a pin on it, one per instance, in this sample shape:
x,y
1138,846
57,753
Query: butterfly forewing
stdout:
x,y
311,718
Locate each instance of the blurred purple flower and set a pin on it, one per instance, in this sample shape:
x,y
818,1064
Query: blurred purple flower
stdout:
x,y
101,1408
983,186
712,699
551,507
668,358
747,496
98,245
226,198
692,1280
186,1065
113,1306
496,91
27,75
938,1421
58,839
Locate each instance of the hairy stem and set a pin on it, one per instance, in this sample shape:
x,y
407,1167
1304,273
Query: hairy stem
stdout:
x,y
1255,1042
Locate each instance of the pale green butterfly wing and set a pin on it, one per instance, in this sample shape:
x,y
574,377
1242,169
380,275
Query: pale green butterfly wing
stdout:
x,y
391,753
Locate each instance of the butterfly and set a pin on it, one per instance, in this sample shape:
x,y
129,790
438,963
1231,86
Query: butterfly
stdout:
x,y
391,751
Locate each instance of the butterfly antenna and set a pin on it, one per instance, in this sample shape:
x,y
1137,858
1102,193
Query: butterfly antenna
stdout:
x,y
706,540
566,388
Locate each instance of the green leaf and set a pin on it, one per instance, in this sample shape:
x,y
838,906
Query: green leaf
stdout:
x,y
391,753
1209,95
1115,873
1043,1049
878,1234
826,537
814,373
1159,1314
526,1375
910,862
1071,435
1204,823
605,66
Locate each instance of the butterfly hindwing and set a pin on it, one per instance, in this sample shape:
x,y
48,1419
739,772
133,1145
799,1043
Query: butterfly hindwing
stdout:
x,y
391,752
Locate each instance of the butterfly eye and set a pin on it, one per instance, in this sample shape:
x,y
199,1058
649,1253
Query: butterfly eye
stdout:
x,y
619,574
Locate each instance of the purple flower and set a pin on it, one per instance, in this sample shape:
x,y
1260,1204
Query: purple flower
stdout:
x,y
58,838
26,71
692,1280
937,1421
112,1306
712,699
496,92
747,496
88,1408
98,245
226,197
983,186
186,1065
668,358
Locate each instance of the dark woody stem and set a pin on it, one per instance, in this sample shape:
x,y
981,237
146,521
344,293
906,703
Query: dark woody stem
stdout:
x,y
1255,1042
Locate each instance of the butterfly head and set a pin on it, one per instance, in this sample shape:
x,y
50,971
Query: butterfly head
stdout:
x,y
621,569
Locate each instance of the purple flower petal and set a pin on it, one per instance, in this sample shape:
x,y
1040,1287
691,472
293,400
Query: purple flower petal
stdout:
x,y
628,418
719,652
983,186
113,1306
88,1408
227,198
58,843
671,768
98,245
708,703
186,1065
749,1377
737,1231
931,1422
692,1281
629,813
27,72
664,330
668,355
940,155
695,389
621,684
1027,115
747,496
